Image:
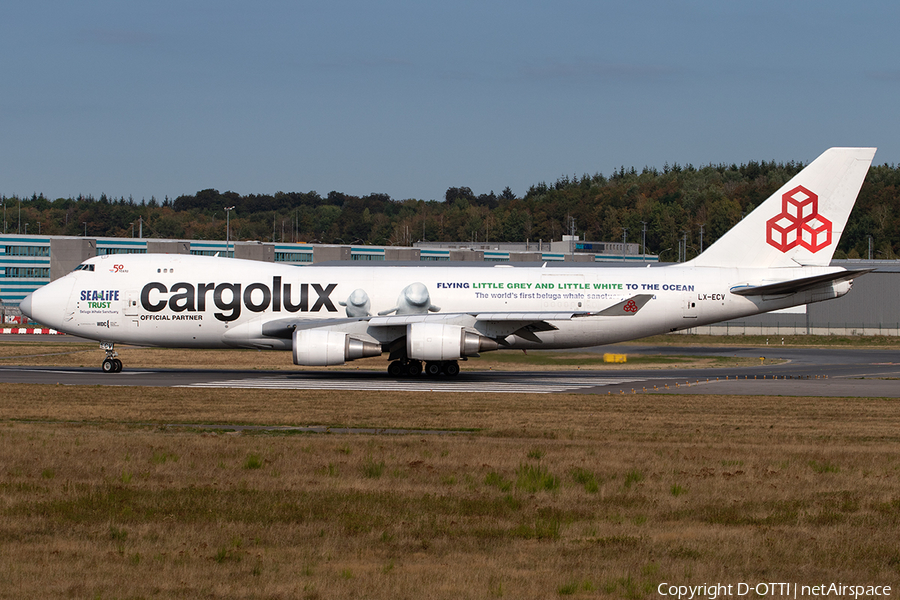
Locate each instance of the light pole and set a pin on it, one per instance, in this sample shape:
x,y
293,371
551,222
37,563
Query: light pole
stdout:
x,y
644,240
228,210
85,227
26,228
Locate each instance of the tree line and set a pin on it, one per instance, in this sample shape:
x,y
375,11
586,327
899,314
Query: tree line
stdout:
x,y
694,204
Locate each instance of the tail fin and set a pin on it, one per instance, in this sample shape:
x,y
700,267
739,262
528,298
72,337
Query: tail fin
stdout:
x,y
802,222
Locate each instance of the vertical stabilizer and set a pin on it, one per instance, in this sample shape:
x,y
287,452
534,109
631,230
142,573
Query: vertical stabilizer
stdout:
x,y
802,222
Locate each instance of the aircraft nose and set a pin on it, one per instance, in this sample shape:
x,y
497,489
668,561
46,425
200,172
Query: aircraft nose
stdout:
x,y
25,306
47,305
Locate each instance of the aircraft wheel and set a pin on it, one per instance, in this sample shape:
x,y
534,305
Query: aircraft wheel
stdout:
x,y
433,369
395,369
414,368
118,364
451,368
108,366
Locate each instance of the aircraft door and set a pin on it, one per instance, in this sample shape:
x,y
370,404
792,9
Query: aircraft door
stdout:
x,y
132,300
690,306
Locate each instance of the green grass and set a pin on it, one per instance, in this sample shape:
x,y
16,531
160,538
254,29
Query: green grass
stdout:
x,y
543,528
574,587
534,478
824,467
633,476
160,457
496,480
253,461
117,534
372,469
585,478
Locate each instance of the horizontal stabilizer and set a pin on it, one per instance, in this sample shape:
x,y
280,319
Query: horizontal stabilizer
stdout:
x,y
797,285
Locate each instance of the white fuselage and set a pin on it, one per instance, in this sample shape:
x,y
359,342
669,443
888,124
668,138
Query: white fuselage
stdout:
x,y
208,302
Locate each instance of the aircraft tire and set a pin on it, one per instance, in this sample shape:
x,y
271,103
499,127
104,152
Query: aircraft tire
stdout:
x,y
414,368
108,366
433,369
395,369
118,365
451,368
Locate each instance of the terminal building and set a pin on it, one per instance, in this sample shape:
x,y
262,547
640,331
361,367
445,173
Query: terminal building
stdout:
x,y
872,308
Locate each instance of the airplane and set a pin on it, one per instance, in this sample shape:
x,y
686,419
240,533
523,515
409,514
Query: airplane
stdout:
x,y
427,318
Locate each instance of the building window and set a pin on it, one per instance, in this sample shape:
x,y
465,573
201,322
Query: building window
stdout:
x,y
102,251
28,272
293,257
28,250
367,257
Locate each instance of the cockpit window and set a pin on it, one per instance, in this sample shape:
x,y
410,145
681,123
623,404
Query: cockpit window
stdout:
x,y
84,267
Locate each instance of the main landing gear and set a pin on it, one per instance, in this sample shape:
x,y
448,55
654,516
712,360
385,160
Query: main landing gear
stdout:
x,y
111,364
412,368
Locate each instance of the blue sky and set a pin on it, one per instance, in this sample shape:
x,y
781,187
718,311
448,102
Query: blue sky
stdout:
x,y
409,98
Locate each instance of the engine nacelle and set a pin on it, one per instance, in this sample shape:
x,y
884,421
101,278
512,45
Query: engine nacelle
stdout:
x,y
324,348
437,341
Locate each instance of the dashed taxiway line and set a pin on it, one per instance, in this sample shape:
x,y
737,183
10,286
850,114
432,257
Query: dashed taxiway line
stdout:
x,y
530,386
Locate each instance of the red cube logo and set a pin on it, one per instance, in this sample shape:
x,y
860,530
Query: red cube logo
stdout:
x,y
815,233
782,232
800,203
799,223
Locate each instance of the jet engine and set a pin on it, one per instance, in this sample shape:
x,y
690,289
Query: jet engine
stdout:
x,y
323,348
437,341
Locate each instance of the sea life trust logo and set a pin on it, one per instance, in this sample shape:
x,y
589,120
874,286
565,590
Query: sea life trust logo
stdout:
x,y
799,223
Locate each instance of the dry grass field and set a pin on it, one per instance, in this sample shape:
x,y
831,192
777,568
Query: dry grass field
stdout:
x,y
534,496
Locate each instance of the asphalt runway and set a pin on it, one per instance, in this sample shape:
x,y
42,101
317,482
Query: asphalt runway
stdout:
x,y
806,372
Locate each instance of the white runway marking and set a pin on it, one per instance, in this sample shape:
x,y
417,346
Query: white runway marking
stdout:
x,y
527,386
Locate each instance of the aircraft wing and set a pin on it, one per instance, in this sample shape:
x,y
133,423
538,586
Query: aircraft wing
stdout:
x,y
500,324
797,285
284,328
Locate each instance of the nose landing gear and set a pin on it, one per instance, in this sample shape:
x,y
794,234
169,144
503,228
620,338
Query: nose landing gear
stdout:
x,y
111,364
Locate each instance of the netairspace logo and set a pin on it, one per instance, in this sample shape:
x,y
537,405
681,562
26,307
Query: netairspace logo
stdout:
x,y
774,590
